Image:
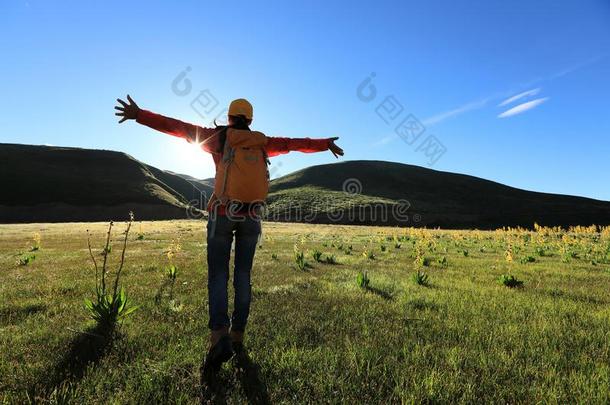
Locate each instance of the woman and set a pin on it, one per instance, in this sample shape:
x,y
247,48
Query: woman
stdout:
x,y
233,208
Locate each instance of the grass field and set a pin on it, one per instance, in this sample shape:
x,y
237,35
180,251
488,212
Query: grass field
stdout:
x,y
315,335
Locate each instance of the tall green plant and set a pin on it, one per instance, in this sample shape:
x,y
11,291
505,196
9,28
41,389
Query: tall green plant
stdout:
x,y
363,279
110,303
317,255
420,278
299,258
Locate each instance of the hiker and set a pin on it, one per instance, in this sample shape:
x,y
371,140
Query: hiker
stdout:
x,y
241,185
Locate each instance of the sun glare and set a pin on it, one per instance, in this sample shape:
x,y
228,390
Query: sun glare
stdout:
x,y
192,160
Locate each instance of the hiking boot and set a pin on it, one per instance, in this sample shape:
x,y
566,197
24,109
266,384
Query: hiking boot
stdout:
x,y
219,353
237,342
238,347
237,336
216,334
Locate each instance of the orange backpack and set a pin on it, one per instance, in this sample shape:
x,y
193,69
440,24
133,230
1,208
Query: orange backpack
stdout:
x,y
242,174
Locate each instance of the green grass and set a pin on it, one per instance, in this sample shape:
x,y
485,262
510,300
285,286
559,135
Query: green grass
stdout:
x,y
314,335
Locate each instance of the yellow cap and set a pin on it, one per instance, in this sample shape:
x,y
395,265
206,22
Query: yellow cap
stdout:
x,y
241,106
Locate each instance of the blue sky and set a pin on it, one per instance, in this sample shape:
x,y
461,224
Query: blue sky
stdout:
x,y
453,65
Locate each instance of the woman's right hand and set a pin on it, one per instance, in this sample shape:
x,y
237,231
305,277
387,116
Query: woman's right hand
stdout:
x,y
127,111
337,151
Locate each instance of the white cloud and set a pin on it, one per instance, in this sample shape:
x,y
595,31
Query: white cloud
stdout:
x,y
385,140
521,108
578,66
473,105
516,97
483,102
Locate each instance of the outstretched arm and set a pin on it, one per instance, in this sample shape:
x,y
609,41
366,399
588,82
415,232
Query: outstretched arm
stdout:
x,y
279,146
192,133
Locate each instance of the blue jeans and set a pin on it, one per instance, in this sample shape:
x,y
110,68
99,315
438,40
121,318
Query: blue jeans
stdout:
x,y
221,230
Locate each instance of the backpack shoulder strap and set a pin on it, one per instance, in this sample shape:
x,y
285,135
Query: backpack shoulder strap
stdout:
x,y
221,133
227,151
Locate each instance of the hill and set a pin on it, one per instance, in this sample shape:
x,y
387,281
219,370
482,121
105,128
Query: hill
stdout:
x,y
418,196
57,184
198,190
195,192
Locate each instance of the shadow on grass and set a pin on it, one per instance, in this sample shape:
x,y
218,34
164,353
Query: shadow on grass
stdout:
x,y
574,297
14,315
167,283
330,263
421,305
248,374
378,291
214,389
87,349
215,386
306,267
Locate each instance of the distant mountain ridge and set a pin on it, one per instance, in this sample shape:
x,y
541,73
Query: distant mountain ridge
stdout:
x,y
56,184
435,198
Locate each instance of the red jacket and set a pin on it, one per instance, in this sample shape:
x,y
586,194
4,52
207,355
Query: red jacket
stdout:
x,y
210,143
